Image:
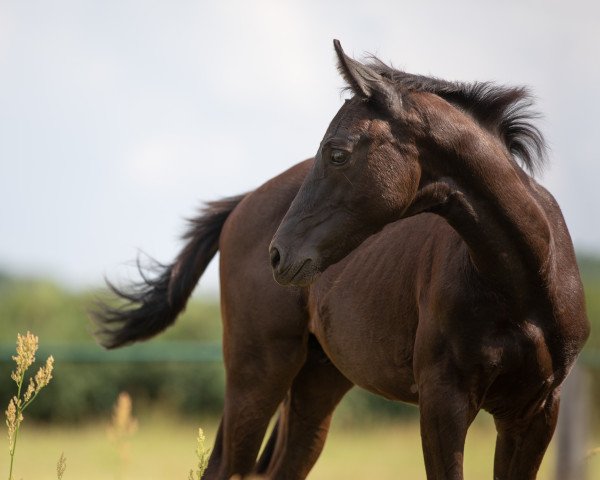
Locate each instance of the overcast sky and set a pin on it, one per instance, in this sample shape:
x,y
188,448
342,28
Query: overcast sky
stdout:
x,y
118,118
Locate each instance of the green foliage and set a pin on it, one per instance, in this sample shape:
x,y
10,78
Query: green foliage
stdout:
x,y
592,294
590,272
592,297
87,390
43,307
589,266
60,316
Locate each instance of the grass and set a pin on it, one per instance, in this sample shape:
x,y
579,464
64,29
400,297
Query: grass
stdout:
x,y
394,451
163,448
27,346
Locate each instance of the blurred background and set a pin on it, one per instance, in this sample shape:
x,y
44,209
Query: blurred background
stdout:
x,y
118,119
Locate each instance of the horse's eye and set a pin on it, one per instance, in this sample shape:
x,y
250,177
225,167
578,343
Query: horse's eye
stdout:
x,y
339,157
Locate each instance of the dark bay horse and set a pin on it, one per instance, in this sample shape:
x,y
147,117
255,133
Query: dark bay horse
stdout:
x,y
413,256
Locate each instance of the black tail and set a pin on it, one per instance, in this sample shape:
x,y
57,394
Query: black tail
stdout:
x,y
154,303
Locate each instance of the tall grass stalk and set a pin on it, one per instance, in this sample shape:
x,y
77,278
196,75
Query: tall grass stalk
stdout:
x,y
121,428
27,346
203,454
61,466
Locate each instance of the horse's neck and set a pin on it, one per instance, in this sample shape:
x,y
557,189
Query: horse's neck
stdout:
x,y
492,205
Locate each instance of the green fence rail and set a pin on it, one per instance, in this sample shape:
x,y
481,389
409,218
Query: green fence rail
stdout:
x,y
158,352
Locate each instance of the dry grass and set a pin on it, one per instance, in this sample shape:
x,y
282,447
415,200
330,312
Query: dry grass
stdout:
x,y
163,448
120,431
27,346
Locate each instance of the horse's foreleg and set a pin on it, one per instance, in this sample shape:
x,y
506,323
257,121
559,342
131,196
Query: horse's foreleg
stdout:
x,y
521,444
305,417
446,413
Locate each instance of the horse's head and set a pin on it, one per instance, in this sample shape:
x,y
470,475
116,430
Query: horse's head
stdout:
x,y
365,175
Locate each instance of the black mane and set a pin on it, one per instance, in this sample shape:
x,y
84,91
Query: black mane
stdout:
x,y
505,111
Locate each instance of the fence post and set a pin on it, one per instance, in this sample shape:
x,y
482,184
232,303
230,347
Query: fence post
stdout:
x,y
573,421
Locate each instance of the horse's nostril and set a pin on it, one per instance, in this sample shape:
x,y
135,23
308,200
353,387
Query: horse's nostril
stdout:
x,y
275,257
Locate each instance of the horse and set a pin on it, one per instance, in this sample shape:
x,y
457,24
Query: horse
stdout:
x,y
414,256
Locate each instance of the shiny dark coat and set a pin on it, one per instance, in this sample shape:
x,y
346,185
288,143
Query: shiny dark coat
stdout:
x,y
418,260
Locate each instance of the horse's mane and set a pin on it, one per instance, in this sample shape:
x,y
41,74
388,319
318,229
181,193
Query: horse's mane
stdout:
x,y
505,111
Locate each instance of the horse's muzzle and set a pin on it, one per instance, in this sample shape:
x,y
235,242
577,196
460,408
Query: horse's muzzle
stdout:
x,y
291,271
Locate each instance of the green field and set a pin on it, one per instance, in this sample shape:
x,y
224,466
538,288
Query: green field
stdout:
x,y
163,448
371,438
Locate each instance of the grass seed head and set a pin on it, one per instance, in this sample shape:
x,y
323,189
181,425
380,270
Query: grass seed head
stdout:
x,y
30,391
123,424
61,466
14,417
203,455
27,345
44,374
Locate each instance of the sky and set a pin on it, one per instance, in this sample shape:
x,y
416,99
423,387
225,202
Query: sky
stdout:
x,y
118,119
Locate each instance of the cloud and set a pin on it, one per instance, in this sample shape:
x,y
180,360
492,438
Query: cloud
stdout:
x,y
6,32
170,103
200,162
157,162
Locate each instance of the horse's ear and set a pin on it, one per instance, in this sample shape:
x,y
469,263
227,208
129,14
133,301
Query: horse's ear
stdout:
x,y
366,82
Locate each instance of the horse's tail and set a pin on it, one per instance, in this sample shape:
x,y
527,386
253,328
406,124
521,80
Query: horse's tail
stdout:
x,y
154,303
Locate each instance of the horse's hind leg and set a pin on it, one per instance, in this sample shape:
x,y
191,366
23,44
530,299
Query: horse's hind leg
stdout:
x,y
253,392
305,417
264,347
520,445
